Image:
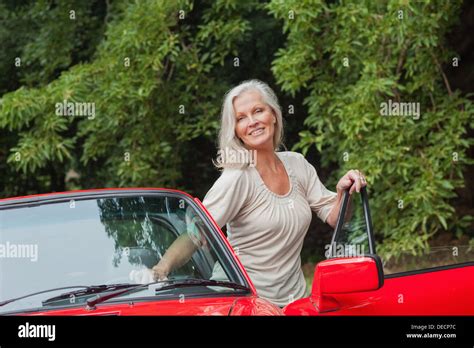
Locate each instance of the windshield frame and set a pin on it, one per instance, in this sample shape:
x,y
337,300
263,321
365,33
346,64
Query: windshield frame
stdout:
x,y
61,197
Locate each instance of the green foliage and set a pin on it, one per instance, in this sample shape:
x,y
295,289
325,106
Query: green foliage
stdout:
x,y
156,72
149,81
355,55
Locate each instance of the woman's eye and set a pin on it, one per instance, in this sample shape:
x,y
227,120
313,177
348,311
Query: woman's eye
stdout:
x,y
258,110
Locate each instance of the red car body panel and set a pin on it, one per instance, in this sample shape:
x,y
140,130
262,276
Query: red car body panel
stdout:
x,y
250,305
437,292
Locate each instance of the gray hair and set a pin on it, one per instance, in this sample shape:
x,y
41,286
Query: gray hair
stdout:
x,y
228,140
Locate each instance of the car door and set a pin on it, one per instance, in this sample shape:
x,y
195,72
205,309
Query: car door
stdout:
x,y
444,289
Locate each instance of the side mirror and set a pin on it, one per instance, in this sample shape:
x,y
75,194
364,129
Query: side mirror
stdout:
x,y
345,276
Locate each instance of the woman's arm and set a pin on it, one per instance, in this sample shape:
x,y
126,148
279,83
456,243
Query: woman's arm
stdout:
x,y
223,201
177,255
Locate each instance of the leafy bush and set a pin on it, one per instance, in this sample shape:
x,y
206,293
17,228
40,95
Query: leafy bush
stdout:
x,y
352,57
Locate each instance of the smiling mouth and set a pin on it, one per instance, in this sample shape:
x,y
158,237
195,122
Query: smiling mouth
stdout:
x,y
257,131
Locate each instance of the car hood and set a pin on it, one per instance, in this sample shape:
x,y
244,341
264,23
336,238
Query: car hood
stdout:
x,y
248,305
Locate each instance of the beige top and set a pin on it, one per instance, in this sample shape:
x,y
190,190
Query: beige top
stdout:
x,y
267,230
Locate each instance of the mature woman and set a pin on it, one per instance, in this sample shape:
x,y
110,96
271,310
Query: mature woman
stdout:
x,y
266,207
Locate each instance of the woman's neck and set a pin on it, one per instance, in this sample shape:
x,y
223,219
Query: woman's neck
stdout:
x,y
267,161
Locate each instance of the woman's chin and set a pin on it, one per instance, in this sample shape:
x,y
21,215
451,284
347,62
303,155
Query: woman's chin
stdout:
x,y
260,145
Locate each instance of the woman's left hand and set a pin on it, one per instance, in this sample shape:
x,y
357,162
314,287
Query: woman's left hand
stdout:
x,y
353,179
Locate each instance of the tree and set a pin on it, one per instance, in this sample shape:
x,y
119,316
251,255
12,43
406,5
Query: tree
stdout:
x,y
357,57
148,81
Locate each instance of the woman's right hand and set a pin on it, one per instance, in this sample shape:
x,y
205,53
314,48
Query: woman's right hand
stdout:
x,y
161,270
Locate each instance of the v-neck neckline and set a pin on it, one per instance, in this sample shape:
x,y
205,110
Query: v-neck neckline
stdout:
x,y
287,171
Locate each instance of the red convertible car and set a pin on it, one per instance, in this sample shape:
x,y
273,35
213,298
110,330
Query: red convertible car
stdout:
x,y
90,253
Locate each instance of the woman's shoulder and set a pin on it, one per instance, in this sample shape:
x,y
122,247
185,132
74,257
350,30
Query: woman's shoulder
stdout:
x,y
294,158
298,165
233,183
233,176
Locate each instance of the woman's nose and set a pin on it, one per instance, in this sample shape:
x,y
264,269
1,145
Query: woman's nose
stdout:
x,y
252,120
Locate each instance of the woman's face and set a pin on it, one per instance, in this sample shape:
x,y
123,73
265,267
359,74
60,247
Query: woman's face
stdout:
x,y
254,121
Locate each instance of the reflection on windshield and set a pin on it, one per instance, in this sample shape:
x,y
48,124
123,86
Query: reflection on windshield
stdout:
x,y
95,241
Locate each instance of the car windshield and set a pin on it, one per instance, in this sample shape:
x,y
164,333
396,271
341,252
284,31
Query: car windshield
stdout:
x,y
107,240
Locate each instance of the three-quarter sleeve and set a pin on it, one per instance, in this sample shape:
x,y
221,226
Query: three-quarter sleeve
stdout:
x,y
227,196
321,200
